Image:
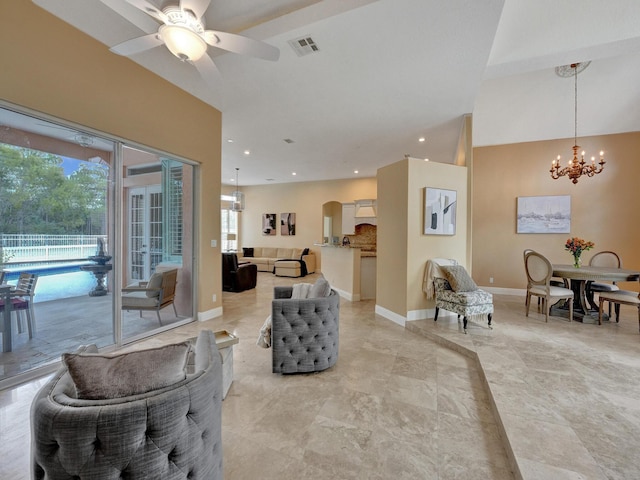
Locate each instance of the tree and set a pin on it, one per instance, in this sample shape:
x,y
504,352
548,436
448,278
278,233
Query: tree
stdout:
x,y
36,197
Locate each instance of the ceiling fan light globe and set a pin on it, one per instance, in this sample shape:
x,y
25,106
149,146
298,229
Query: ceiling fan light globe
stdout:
x,y
183,42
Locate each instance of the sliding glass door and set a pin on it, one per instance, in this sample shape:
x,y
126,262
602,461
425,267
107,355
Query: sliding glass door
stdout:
x,y
90,216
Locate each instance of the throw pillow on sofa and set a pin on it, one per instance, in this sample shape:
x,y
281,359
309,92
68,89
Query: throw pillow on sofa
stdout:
x,y
99,377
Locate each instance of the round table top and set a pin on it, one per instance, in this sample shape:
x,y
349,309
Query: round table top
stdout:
x,y
595,273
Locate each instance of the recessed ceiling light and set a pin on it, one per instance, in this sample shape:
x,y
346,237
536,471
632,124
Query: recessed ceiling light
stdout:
x,y
421,139
247,152
229,140
293,173
232,179
426,159
355,171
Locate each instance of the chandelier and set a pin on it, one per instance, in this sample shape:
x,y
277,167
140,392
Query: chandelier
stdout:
x,y
237,204
575,168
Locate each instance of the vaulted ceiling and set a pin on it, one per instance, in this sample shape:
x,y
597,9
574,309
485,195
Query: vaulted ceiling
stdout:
x,y
388,72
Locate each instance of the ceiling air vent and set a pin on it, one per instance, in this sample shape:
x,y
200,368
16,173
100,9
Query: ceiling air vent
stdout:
x,y
304,46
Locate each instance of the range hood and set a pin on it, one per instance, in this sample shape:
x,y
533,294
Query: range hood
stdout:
x,y
365,208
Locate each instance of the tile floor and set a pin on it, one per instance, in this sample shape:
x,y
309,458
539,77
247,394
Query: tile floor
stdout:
x,y
524,400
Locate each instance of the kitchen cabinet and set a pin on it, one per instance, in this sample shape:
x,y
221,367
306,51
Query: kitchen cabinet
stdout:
x,y
348,218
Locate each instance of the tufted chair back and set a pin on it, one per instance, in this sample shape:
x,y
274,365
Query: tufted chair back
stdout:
x,y
304,332
173,433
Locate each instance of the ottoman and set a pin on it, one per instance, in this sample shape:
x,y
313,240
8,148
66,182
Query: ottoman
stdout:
x,y
287,268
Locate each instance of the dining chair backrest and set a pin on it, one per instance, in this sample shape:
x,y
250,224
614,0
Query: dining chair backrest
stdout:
x,y
606,259
538,268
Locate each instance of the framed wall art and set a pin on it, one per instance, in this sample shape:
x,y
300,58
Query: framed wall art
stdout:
x,y
269,224
440,211
544,214
287,224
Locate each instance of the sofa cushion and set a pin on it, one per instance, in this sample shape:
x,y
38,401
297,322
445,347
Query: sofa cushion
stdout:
x,y
99,377
269,252
297,253
154,284
247,252
284,253
458,278
320,289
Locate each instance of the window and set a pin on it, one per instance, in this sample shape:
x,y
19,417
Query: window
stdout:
x,y
229,227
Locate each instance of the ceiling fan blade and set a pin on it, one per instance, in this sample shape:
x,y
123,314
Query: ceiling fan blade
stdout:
x,y
137,45
208,70
242,45
198,7
149,9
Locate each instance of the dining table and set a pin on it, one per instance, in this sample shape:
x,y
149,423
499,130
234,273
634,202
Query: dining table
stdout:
x,y
585,309
5,296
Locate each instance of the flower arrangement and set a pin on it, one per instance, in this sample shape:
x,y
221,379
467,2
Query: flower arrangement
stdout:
x,y
576,246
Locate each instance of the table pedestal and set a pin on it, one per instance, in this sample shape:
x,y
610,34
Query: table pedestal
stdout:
x,y
585,309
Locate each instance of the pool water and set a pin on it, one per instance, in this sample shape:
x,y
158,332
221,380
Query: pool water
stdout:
x,y
56,281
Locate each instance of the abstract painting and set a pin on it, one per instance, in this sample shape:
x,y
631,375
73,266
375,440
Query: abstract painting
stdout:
x,y
287,224
440,211
269,224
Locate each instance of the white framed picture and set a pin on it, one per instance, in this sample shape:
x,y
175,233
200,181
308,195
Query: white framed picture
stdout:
x,y
440,211
544,214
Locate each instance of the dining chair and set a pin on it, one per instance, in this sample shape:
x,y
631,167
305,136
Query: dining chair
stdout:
x,y
539,272
624,297
605,259
22,301
557,283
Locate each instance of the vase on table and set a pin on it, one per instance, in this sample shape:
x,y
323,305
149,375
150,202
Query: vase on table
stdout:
x,y
577,261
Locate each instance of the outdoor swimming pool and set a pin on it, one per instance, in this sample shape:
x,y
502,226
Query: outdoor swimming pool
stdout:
x,y
55,281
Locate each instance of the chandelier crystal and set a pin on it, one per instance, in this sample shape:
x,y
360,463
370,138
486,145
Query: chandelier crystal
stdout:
x,y
576,167
237,204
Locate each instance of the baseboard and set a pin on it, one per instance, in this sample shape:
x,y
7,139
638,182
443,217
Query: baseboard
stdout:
x,y
210,314
505,291
389,315
347,296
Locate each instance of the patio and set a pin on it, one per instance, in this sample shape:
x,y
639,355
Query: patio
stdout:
x,y
62,325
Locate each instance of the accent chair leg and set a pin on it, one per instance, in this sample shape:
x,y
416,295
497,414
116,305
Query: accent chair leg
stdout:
x,y
174,309
158,314
464,323
436,315
489,317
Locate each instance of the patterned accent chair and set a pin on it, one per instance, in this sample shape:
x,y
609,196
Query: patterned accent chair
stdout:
x,y
465,299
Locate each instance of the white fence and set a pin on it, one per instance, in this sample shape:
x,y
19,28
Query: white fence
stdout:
x,y
42,248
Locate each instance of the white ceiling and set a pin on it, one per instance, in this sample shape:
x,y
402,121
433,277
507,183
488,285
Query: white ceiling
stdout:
x,y
390,71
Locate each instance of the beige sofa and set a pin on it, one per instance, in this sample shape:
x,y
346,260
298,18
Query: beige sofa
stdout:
x,y
266,257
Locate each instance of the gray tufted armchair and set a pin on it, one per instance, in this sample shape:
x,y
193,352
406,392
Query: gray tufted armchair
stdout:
x,y
304,332
171,433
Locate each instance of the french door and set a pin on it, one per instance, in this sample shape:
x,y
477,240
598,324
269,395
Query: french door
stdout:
x,y
145,231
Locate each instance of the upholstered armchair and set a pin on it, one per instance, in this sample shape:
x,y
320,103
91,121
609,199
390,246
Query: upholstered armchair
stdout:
x,y
304,332
237,277
154,413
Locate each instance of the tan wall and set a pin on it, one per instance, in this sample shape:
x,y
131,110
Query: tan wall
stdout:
x,y
603,208
403,248
305,199
422,247
391,273
53,68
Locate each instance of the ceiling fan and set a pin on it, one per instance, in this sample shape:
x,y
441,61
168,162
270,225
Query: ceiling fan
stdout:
x,y
183,32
